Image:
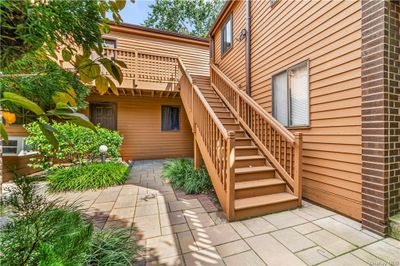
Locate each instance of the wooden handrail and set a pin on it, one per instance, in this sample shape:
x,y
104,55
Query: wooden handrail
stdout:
x,y
277,143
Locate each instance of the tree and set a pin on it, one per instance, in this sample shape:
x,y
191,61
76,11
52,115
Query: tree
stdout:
x,y
193,17
35,35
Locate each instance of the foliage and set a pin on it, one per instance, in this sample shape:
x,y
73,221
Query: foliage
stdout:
x,y
182,174
36,30
188,17
76,144
51,233
88,176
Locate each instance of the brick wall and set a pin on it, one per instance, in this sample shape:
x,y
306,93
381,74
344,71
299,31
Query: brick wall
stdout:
x,y
380,113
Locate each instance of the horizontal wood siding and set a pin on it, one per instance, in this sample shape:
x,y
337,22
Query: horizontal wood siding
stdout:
x,y
328,34
195,57
139,122
17,163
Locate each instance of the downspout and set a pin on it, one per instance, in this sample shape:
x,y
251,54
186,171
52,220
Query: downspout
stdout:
x,y
248,62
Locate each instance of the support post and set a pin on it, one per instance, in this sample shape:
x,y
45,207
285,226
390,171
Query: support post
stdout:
x,y
230,177
197,154
298,165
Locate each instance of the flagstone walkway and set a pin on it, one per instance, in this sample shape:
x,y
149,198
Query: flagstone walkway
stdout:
x,y
193,231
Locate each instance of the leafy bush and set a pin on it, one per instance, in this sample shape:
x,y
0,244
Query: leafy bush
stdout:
x,y
88,176
51,233
182,174
76,144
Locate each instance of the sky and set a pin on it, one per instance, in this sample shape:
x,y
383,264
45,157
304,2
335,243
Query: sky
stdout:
x,y
136,13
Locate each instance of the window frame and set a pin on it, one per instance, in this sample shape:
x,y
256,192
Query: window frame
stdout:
x,y
115,40
20,147
289,111
229,18
163,129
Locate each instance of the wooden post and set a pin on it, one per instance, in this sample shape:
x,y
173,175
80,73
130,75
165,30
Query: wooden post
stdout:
x,y
230,177
136,68
197,155
193,109
298,165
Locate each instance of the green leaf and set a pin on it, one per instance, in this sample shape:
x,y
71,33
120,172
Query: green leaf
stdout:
x,y
101,84
113,87
121,63
88,70
77,119
112,68
66,55
120,4
49,135
23,102
62,97
3,133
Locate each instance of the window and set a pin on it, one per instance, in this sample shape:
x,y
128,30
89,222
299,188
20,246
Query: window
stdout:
x,y
226,35
169,118
290,96
108,43
16,146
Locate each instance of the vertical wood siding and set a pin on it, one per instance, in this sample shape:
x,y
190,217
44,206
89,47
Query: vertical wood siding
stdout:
x,y
139,122
328,34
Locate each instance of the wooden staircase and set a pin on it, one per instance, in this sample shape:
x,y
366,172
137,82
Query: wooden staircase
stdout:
x,y
258,190
253,161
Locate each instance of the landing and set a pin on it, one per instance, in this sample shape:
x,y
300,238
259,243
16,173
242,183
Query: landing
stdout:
x,y
189,232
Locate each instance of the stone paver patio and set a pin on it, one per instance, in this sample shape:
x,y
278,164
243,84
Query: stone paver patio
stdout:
x,y
190,232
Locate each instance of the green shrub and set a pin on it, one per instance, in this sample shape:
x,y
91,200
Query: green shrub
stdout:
x,y
88,176
76,144
181,174
45,233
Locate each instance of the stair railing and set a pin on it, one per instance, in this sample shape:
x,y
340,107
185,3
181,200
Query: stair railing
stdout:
x,y
282,148
216,144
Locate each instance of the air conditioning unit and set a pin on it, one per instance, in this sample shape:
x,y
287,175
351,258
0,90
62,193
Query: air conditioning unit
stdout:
x,y
16,146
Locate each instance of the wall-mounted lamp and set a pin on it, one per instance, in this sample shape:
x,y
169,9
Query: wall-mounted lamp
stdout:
x,y
242,35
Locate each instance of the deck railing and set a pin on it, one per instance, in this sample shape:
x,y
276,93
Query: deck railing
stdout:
x,y
213,137
282,148
145,66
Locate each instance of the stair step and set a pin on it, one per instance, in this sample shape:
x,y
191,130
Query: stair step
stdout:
x,y
261,187
249,161
254,173
246,150
232,126
261,205
255,169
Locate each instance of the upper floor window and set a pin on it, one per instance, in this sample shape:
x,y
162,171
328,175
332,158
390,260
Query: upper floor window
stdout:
x,y
226,35
170,118
108,43
290,96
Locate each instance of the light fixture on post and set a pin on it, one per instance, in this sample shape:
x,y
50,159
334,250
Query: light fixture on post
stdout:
x,y
103,150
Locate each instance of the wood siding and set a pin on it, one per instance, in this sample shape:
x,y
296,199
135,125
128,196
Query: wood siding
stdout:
x,y
328,34
195,57
139,122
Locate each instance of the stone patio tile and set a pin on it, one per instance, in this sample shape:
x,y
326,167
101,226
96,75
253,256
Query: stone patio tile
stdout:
x,y
146,199
347,221
284,219
248,258
117,214
367,257
172,218
330,242
272,252
148,226
214,235
346,232
173,229
198,220
345,260
107,197
163,208
306,228
122,223
293,240
204,257
376,236
162,247
125,201
218,217
165,198
384,251
391,241
313,212
241,229
101,207
258,226
129,190
232,248
186,242
195,210
142,190
184,205
90,195
146,210
315,255
171,261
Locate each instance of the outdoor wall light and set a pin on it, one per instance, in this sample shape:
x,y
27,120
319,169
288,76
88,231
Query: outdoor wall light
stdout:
x,y
103,150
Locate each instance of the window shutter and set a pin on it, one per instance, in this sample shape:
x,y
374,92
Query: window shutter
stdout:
x,y
299,95
280,98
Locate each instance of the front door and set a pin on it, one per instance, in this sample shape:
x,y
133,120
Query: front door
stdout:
x,y
104,114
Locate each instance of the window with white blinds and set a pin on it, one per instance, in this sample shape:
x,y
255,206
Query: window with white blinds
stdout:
x,y
290,96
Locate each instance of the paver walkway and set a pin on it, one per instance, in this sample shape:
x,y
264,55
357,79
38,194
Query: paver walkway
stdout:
x,y
182,232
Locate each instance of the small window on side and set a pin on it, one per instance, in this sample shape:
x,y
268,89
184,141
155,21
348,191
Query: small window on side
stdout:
x,y
226,35
170,118
108,43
